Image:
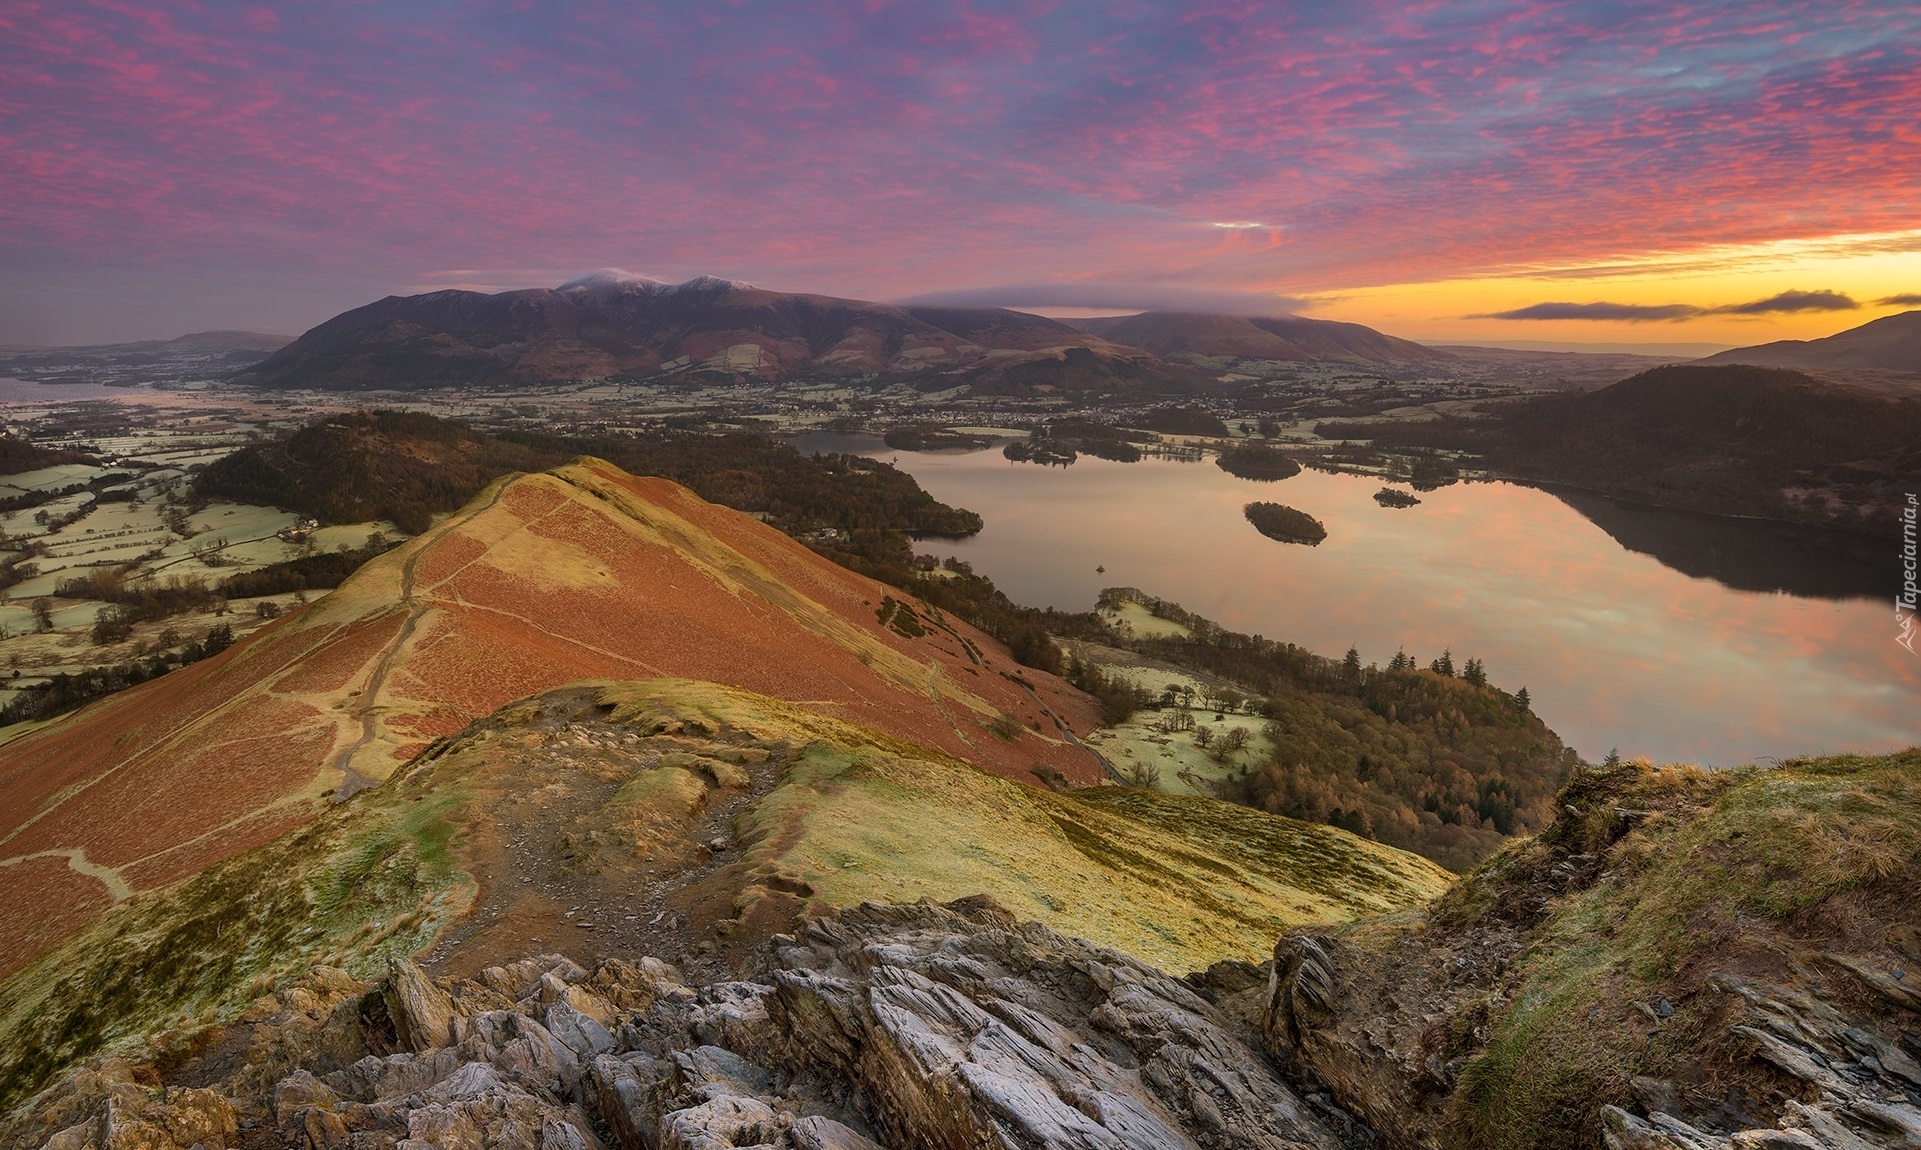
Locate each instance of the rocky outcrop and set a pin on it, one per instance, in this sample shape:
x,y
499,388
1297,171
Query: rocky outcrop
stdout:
x,y
1684,961
888,1027
1858,1087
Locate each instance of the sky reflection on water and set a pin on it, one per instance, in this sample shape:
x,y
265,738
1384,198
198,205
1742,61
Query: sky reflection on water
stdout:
x,y
1616,649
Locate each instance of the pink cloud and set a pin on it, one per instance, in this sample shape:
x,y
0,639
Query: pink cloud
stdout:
x,y
883,150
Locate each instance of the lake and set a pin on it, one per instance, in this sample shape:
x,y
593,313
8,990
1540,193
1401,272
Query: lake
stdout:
x,y
22,391
1668,635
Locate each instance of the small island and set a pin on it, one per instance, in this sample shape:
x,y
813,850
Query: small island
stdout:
x,y
1277,521
1040,451
1392,497
1062,441
1257,461
927,437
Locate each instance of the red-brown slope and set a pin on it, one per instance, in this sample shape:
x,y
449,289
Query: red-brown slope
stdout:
x,y
582,572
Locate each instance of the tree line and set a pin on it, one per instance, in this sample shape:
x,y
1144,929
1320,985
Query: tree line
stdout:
x,y
1431,758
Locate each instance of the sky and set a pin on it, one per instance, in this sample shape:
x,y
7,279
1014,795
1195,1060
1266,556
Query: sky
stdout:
x,y
1489,169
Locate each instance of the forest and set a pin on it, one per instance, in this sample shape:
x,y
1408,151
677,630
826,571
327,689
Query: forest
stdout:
x,y
1430,758
18,455
407,467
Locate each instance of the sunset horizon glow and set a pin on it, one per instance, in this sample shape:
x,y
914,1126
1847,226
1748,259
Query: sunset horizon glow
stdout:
x,y
1505,171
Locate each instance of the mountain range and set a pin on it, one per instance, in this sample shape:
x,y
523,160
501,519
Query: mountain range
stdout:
x,y
613,325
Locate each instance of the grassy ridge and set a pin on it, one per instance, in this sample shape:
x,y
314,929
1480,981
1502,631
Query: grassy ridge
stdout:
x,y
855,815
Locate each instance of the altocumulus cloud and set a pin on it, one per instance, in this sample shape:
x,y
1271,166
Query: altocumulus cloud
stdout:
x,y
1787,301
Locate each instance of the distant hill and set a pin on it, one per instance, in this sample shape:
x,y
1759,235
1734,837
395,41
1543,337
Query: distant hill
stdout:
x,y
1205,335
200,341
1891,343
1733,440
611,325
199,355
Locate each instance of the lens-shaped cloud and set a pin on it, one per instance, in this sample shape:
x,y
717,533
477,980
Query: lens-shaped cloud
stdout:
x,y
1905,299
1786,302
1615,312
1792,301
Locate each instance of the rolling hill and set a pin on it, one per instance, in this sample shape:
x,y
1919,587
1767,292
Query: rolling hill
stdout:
x,y
1891,343
595,708
1196,336
653,829
1733,440
581,572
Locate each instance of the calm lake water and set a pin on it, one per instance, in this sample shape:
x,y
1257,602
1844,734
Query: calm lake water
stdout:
x,y
21,391
1668,635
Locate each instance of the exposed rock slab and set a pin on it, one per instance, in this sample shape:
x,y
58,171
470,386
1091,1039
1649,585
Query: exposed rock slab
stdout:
x,y
886,1028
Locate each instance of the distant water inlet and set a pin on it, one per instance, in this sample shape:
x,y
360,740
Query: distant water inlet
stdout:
x,y
1668,635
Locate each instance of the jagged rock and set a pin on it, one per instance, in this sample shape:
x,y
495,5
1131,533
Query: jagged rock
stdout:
x,y
897,1027
180,1118
1896,990
721,1123
969,1027
579,1033
627,1101
816,1133
711,1071
733,1015
422,1012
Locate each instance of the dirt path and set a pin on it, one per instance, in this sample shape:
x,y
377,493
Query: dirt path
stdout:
x,y
557,869
1068,734
352,781
78,862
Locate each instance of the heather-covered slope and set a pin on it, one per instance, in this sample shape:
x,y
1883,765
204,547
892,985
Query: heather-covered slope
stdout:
x,y
582,572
